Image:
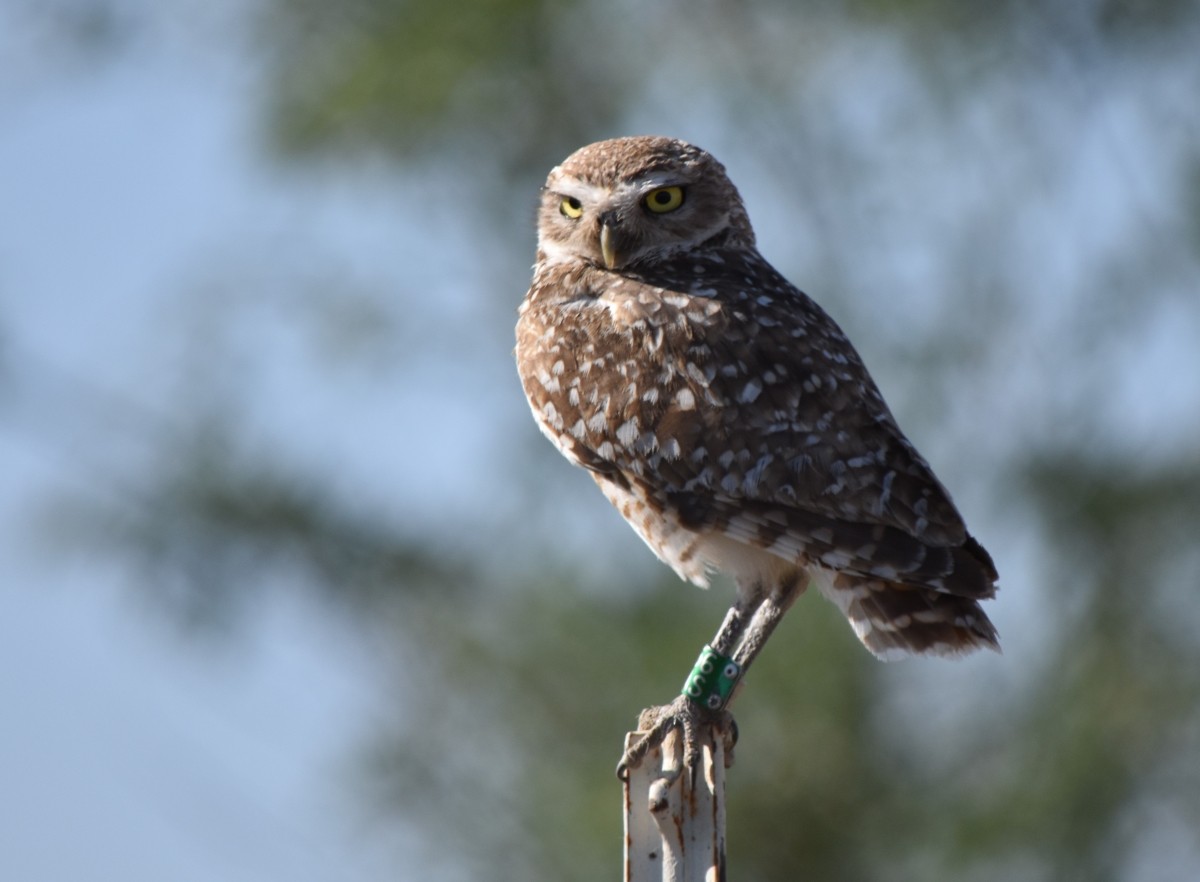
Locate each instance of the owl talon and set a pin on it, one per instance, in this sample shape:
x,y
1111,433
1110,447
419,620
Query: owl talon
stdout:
x,y
690,720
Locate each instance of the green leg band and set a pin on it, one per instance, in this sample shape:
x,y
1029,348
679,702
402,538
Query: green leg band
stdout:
x,y
712,680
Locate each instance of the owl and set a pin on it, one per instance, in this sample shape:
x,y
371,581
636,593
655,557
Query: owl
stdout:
x,y
731,422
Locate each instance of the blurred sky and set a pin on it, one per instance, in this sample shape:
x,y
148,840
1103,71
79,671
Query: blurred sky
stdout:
x,y
121,756
135,177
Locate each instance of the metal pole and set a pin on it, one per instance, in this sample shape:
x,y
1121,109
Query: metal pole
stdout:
x,y
675,817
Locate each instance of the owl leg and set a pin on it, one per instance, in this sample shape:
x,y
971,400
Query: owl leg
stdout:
x,y
685,713
766,617
750,621
739,616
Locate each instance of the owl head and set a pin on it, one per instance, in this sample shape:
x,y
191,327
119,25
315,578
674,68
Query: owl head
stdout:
x,y
632,202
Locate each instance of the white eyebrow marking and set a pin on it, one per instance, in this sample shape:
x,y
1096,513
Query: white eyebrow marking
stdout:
x,y
653,181
589,194
592,195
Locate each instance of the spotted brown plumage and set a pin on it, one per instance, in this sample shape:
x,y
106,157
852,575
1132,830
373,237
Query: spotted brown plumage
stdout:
x,y
726,416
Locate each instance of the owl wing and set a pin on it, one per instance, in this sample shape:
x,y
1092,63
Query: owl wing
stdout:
x,y
768,424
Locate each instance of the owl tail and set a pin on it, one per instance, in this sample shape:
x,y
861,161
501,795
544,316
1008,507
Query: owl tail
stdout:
x,y
895,620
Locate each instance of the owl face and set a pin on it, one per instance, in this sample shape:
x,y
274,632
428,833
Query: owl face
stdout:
x,y
635,201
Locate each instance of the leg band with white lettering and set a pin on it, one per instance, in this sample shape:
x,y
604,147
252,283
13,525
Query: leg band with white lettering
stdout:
x,y
712,680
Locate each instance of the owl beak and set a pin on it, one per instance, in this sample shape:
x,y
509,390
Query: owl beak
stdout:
x,y
608,247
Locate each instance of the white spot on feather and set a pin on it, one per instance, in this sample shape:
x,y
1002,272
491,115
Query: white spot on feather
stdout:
x,y
627,432
551,414
750,391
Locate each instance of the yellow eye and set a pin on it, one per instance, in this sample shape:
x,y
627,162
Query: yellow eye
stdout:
x,y
663,199
571,207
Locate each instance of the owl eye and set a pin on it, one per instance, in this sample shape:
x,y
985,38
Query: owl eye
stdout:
x,y
663,199
571,207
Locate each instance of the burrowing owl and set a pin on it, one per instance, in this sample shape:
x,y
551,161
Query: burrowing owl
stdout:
x,y
729,419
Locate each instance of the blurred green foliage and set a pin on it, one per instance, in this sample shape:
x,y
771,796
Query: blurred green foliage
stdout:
x,y
406,77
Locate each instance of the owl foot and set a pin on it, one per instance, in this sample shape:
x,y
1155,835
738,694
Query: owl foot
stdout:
x,y
691,720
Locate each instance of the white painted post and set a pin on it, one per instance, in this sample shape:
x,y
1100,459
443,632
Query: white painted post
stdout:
x,y
675,821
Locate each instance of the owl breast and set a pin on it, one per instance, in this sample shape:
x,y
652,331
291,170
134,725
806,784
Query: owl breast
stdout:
x,y
620,374
624,377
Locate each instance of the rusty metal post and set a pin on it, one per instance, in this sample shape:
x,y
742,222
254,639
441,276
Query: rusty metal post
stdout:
x,y
675,820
